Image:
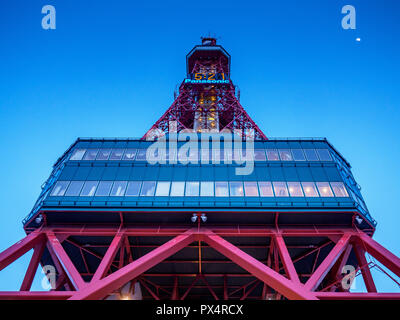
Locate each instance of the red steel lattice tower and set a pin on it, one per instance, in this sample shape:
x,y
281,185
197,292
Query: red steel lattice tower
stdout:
x,y
112,226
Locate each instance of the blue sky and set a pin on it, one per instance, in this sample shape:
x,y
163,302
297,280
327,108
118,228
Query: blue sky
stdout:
x,y
110,69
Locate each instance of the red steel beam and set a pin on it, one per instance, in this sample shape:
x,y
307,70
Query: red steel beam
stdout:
x,y
66,262
286,259
388,259
35,295
11,254
101,288
33,266
325,266
108,257
272,278
357,296
365,271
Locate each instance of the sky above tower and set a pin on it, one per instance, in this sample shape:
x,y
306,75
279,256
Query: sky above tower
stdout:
x,y
109,69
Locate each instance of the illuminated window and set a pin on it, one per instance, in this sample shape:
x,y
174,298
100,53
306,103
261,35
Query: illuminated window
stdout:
x,y
298,155
91,154
309,189
280,189
183,155
228,155
116,154
250,189
221,189
74,188
339,189
77,154
129,154
141,155
265,189
259,155
295,189
205,155
163,188
236,188
248,155
324,189
192,189
193,155
324,155
89,188
216,156
103,154
171,155
238,154
311,155
59,189
118,189
133,188
286,155
272,155
177,189
148,188
103,189
207,189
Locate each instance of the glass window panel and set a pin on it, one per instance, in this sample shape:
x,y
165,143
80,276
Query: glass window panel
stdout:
x,y
339,189
259,155
207,189
77,154
177,188
116,154
206,155
192,189
91,154
141,155
265,189
89,188
298,155
309,189
249,155
216,155
236,188
238,154
171,155
60,188
221,189
163,188
324,189
272,155
103,189
324,155
133,188
129,154
74,188
295,189
280,189
228,155
193,155
118,189
250,189
103,154
285,154
148,188
311,154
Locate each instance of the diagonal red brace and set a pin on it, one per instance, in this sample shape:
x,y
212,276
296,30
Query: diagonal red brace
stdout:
x,y
286,287
100,288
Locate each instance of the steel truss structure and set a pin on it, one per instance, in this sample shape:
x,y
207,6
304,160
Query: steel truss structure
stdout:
x,y
277,275
191,103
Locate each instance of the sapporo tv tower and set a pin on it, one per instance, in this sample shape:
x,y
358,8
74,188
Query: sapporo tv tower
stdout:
x,y
113,223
